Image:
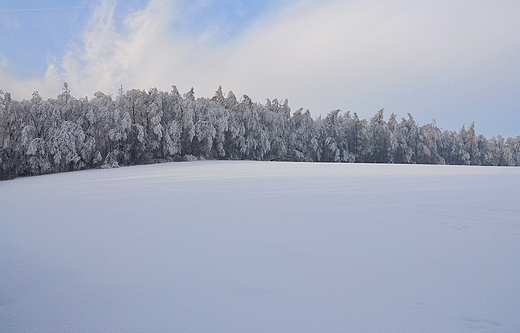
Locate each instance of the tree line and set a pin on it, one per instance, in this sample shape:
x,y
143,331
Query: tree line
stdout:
x,y
137,127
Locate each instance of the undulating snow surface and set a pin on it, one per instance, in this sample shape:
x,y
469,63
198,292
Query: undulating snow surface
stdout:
x,y
262,247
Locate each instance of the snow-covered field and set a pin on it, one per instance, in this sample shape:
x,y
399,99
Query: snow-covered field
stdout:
x,y
218,246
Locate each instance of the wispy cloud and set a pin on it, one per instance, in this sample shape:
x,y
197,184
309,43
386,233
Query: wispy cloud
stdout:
x,y
3,61
96,62
140,54
8,20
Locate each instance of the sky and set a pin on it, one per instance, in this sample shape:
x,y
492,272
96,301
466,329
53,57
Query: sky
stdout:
x,y
454,62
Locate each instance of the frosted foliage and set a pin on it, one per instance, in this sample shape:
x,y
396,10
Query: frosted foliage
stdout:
x,y
205,133
173,138
157,129
221,121
141,127
97,157
140,133
187,124
91,117
28,133
121,126
38,160
111,160
87,148
66,142
126,122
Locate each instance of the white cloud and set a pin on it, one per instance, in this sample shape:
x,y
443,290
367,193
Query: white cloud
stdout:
x,y
340,52
48,85
3,61
109,57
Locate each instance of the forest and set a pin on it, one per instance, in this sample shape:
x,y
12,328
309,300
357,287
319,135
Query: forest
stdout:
x,y
65,133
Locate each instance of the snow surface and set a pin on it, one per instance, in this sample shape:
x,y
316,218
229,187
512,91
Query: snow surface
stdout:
x,y
218,246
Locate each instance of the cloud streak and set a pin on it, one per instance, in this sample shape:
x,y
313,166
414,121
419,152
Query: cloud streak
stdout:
x,y
41,9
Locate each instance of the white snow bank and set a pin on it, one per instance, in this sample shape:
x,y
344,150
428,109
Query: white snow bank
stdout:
x,y
262,247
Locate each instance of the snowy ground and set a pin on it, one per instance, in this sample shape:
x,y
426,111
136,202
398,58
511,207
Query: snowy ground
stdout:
x,y
262,247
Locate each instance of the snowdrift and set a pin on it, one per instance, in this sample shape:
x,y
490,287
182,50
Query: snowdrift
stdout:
x,y
239,246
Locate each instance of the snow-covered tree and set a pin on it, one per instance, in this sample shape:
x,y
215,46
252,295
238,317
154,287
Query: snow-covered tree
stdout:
x,y
379,136
66,133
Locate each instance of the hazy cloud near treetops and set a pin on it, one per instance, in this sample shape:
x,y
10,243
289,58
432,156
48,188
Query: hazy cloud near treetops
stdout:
x,y
450,60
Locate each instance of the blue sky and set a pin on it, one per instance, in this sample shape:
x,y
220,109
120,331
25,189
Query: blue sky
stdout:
x,y
454,61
